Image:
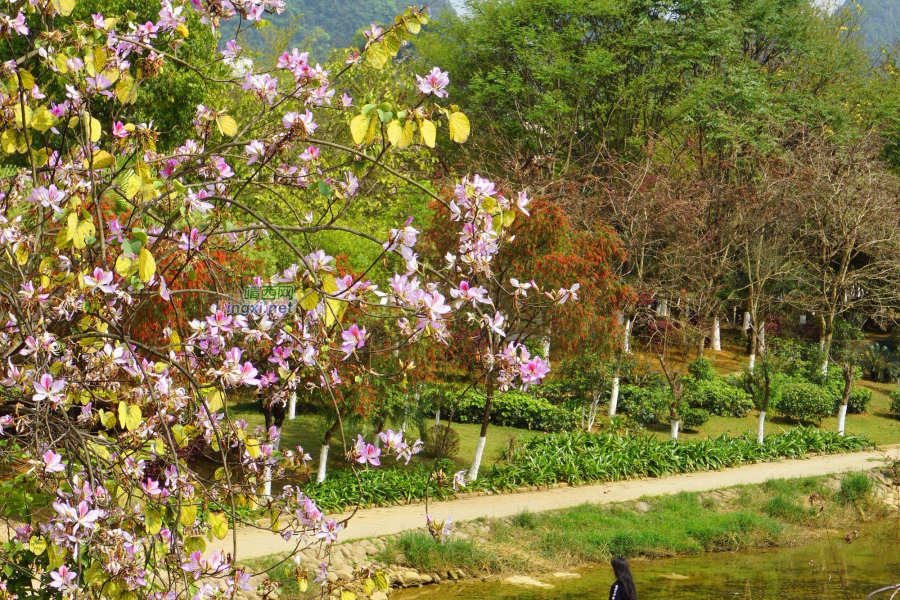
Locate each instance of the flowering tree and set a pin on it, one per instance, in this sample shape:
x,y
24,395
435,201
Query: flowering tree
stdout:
x,y
101,427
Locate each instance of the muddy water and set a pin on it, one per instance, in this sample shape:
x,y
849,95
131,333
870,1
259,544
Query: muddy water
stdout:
x,y
813,571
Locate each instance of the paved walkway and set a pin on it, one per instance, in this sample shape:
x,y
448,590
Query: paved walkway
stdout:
x,y
376,522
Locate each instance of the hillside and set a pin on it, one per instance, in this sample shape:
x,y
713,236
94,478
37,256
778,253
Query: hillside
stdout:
x,y
326,24
881,22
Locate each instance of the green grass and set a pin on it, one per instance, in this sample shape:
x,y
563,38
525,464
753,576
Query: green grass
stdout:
x,y
776,513
308,431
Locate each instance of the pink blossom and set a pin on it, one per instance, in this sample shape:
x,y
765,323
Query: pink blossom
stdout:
x,y
119,130
102,280
53,462
534,371
354,338
367,453
47,389
346,100
434,83
231,51
63,579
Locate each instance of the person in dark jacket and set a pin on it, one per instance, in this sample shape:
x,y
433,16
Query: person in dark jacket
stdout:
x,y
623,588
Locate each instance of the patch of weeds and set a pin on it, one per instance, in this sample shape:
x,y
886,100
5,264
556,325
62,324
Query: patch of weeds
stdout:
x,y
525,520
855,488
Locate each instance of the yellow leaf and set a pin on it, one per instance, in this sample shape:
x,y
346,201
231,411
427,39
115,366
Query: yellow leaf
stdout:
x,y
378,55
188,515
399,135
107,418
182,30
310,300
123,265
42,120
133,186
347,595
99,58
412,26
359,127
215,401
329,284
41,157
126,90
99,449
13,141
428,132
218,524
176,340
28,115
392,43
72,226
22,255
146,265
334,311
27,79
252,448
302,583
459,127
129,416
95,129
37,545
64,7
102,160
227,125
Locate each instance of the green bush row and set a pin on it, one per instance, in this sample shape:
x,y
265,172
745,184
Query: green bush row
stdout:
x,y
516,409
578,458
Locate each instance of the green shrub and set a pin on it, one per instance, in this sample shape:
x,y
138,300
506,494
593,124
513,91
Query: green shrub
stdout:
x,y
701,369
855,487
805,402
858,401
692,418
644,405
441,441
719,398
516,409
895,403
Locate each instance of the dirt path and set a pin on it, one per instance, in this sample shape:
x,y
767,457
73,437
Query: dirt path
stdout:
x,y
375,522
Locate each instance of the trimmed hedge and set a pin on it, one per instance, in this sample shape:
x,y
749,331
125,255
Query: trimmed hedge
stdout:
x,y
516,409
806,402
692,418
719,398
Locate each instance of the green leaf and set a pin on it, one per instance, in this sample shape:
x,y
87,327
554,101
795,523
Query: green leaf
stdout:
x,y
193,544
152,519
146,265
129,416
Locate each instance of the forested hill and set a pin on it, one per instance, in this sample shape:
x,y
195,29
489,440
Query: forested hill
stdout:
x,y
881,22
333,23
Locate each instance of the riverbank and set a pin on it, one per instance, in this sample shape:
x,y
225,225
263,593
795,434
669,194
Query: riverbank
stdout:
x,y
547,545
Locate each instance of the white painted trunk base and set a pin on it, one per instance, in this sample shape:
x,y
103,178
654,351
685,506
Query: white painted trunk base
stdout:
x,y
752,363
323,463
825,366
761,428
614,397
674,426
842,418
267,472
663,309
746,324
437,418
292,407
717,335
476,461
626,340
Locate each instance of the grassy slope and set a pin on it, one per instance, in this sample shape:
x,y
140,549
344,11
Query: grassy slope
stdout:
x,y
776,513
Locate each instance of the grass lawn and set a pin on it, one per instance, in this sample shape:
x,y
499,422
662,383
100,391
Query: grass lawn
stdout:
x,y
309,431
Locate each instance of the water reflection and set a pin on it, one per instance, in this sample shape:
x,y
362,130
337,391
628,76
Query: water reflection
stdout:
x,y
869,562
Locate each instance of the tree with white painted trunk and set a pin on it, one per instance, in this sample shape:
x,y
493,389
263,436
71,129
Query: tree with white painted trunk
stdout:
x,y
846,354
849,202
762,382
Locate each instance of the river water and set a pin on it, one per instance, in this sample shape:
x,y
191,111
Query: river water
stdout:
x,y
809,572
